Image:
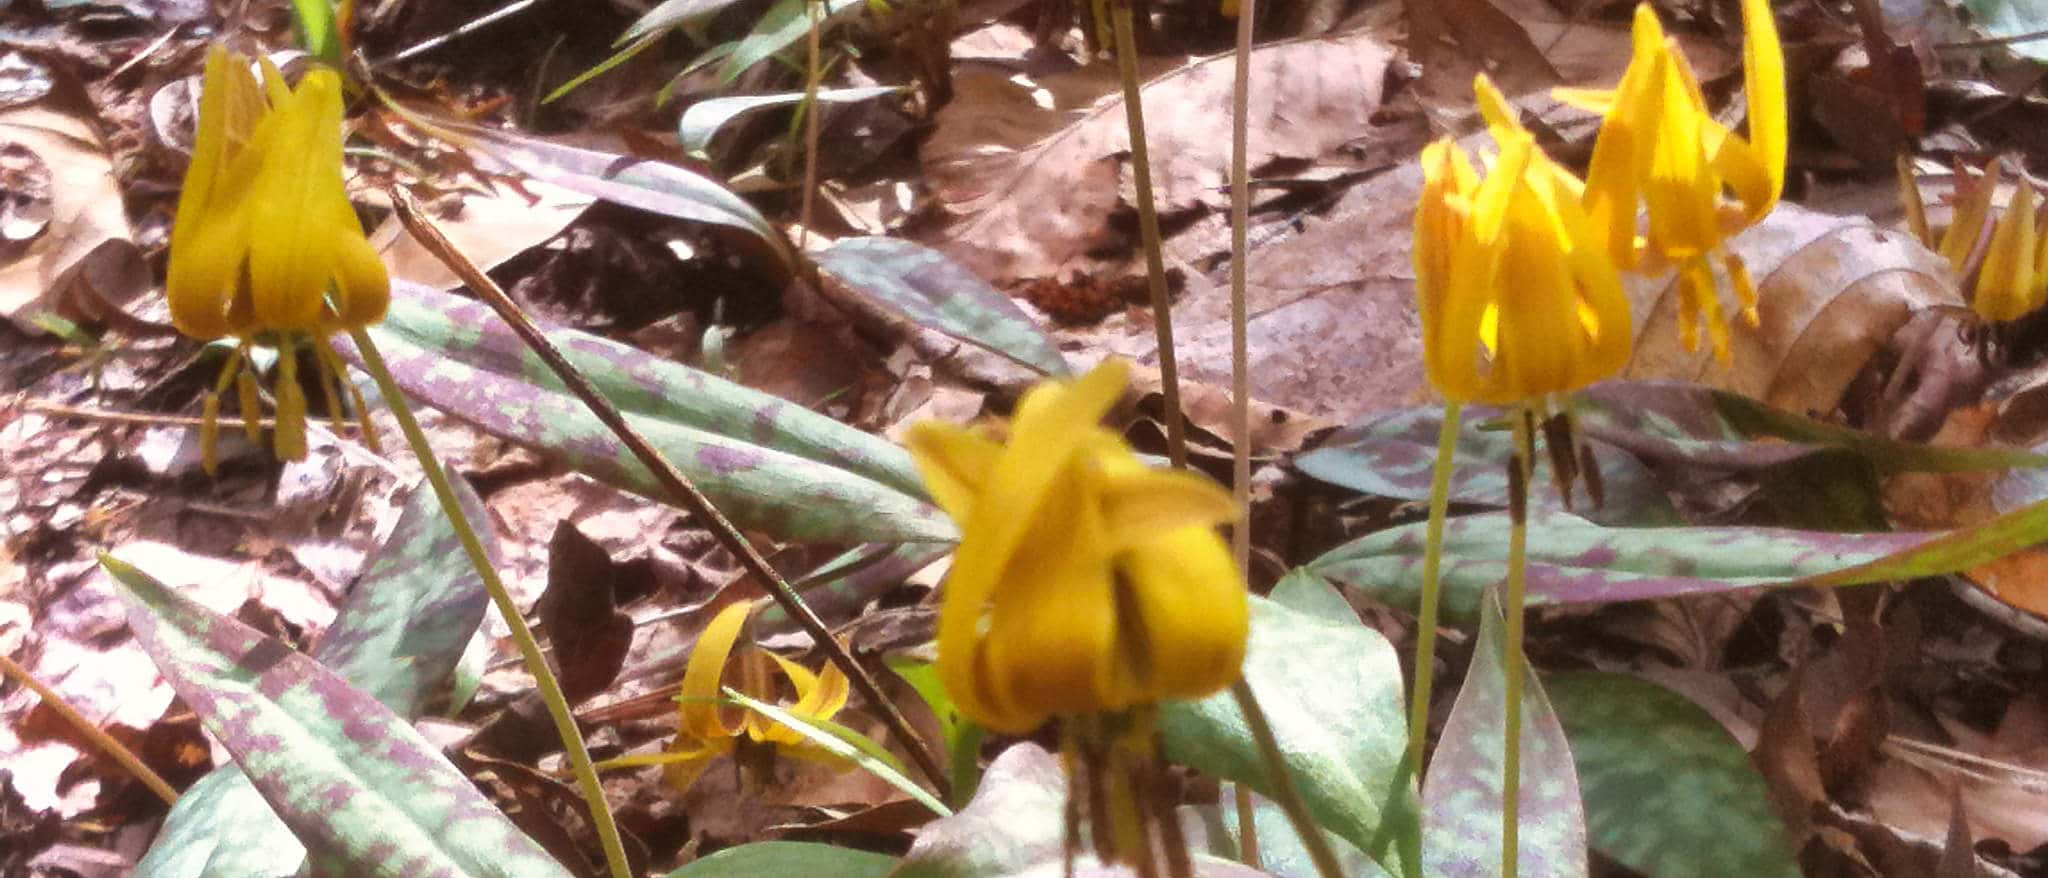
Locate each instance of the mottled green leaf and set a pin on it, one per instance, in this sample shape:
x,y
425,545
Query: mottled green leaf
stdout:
x,y
363,791
1332,689
2006,19
704,119
396,638
1572,560
1461,794
670,13
1015,827
792,858
767,462
845,743
1691,425
1393,454
925,287
1281,852
1668,793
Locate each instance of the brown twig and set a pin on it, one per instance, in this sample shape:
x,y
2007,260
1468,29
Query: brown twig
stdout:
x,y
93,733
673,480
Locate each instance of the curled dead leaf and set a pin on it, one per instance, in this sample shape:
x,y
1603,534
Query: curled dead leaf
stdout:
x,y
69,250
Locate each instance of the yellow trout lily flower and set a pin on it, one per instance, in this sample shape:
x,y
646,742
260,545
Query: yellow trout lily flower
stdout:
x,y
1518,298
1661,148
1085,581
265,246
2008,274
704,735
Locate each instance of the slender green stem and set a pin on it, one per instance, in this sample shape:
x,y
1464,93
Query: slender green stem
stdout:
x,y
1148,232
1511,738
1432,566
1283,789
811,121
529,649
679,487
125,757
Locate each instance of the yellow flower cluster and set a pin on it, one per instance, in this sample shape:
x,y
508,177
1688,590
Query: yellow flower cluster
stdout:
x,y
704,734
265,247
1517,276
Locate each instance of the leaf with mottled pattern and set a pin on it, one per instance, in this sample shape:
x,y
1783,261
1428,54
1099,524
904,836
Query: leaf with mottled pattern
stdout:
x,y
1461,794
397,638
931,290
362,790
1667,791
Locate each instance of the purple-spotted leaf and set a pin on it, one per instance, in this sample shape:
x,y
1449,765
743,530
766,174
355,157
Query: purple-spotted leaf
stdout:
x,y
1574,561
363,791
1667,791
1393,454
1332,688
397,638
1014,827
929,289
767,462
1461,794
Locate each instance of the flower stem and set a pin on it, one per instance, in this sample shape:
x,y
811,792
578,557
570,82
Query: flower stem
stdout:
x,y
522,636
1240,378
811,110
1148,232
678,486
1432,566
1511,738
1282,786
99,738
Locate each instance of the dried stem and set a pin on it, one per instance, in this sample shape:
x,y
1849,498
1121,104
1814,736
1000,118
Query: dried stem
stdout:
x,y
1240,379
678,486
1283,789
1148,230
99,738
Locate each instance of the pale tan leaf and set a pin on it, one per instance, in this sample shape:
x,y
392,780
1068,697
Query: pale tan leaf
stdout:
x,y
68,248
1030,170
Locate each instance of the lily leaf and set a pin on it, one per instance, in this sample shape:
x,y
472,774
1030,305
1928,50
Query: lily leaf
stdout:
x,y
397,638
1332,689
363,791
929,289
1667,791
1461,795
788,858
703,120
767,462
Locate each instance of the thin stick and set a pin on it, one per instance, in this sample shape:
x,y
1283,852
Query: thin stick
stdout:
x,y
522,636
678,486
811,110
1511,738
105,742
1432,585
1240,378
1148,231
1283,789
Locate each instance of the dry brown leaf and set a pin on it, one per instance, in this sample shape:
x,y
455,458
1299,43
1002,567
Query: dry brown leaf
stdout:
x,y
67,249
1030,170
1832,292
488,228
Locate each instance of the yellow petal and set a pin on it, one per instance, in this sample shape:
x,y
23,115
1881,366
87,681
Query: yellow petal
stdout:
x,y
1763,74
1139,502
2004,283
201,279
1593,100
1187,598
290,206
699,711
954,462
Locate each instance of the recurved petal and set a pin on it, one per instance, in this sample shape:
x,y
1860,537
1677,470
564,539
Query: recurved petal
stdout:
x,y
1051,646
362,287
1139,502
954,461
1763,73
2004,283
699,711
291,256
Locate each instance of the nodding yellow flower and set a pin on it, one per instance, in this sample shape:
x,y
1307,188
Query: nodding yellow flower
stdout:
x,y
266,247
704,735
1085,581
1518,298
2007,273
1660,147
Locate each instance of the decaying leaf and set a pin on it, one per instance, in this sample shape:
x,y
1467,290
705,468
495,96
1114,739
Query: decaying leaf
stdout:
x,y
67,249
1030,171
